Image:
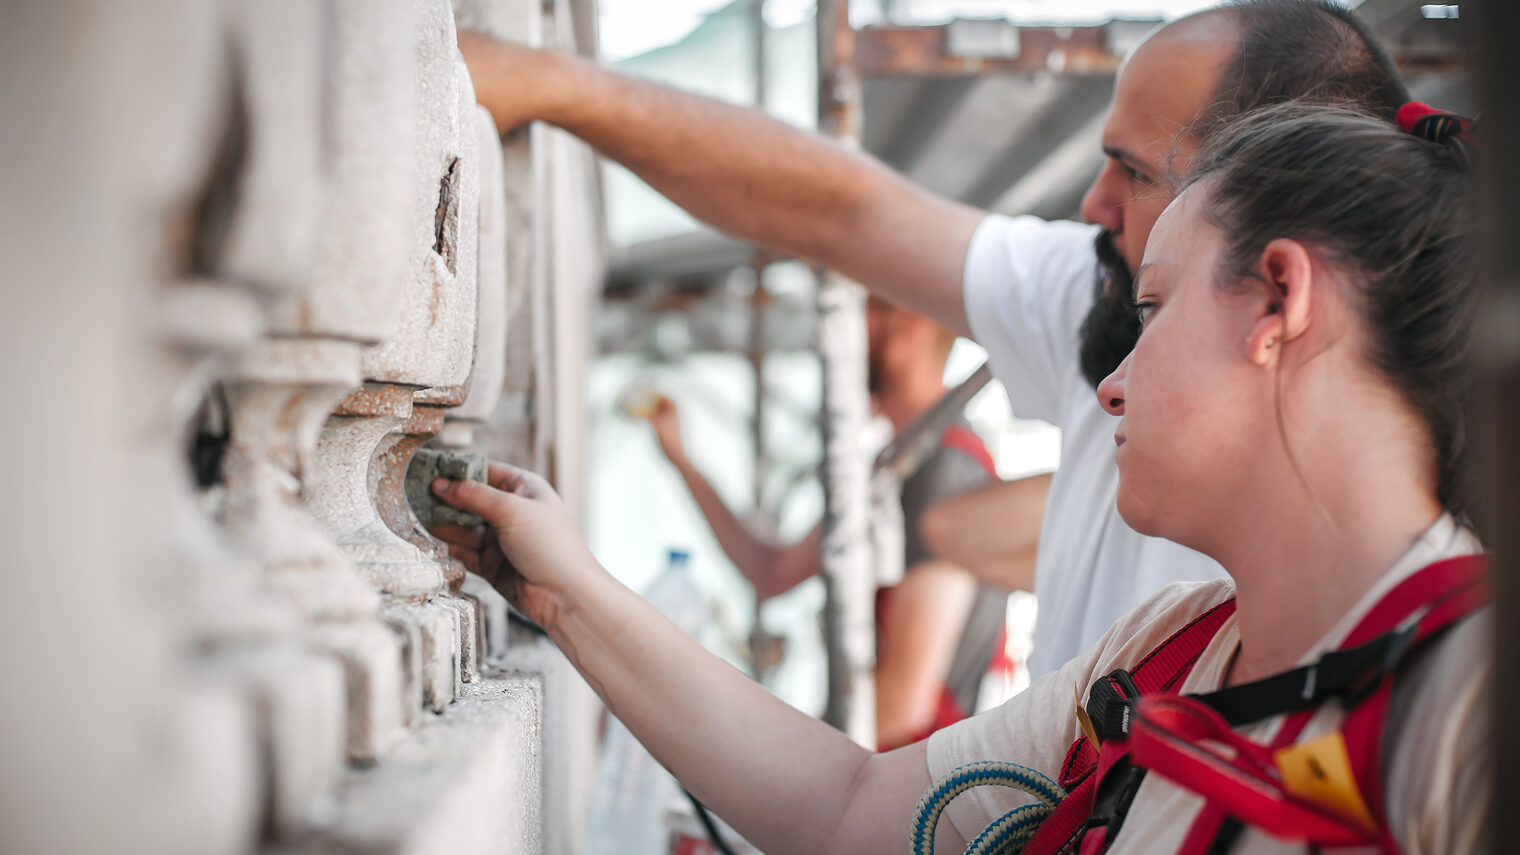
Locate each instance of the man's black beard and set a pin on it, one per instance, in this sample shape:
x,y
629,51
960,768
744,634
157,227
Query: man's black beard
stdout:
x,y
1112,326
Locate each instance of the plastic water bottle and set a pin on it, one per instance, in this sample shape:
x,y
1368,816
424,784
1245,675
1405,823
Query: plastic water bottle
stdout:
x,y
676,595
633,790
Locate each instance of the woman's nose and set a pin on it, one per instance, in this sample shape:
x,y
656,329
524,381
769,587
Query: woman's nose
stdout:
x,y
1111,390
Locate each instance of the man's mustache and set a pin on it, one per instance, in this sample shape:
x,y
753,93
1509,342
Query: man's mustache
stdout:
x,y
1120,279
1111,327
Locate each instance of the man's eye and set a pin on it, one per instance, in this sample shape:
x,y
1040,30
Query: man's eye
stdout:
x,y
1136,177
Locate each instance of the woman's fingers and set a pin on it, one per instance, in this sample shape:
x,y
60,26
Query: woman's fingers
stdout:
x,y
469,537
521,482
468,557
505,476
487,501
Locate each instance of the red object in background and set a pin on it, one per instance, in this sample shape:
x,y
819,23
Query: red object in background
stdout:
x,y
684,844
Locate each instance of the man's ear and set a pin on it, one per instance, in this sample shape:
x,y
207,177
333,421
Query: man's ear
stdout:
x,y
1288,274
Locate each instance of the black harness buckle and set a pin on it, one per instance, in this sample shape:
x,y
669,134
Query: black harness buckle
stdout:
x,y
1110,705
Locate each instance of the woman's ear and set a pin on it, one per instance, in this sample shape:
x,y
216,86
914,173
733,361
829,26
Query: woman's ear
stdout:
x,y
1283,314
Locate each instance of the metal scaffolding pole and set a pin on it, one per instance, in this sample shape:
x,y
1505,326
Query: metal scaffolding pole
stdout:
x,y
759,640
846,554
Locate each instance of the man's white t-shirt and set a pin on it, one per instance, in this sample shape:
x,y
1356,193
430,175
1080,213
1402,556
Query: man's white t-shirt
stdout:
x,y
1028,285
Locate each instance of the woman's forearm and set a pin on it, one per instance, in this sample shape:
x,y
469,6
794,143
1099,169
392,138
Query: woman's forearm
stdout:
x,y
781,778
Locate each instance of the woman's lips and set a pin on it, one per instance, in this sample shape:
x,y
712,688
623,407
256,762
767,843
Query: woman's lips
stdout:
x,y
1118,439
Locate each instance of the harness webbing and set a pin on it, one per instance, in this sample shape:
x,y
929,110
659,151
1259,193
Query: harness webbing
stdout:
x,y
1427,602
1144,725
1162,670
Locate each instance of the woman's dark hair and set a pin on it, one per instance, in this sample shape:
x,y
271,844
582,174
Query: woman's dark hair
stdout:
x,y
1390,210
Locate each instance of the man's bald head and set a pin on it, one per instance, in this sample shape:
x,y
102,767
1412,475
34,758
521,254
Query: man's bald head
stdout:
x,y
1181,84
1301,50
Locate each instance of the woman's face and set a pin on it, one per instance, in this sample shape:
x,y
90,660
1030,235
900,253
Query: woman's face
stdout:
x,y
1190,398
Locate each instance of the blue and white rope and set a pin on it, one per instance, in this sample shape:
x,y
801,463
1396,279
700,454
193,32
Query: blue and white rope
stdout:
x,y
1011,831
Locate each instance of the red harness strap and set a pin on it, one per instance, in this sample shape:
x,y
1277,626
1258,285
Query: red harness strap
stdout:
x,y
1446,591
1172,735
1162,670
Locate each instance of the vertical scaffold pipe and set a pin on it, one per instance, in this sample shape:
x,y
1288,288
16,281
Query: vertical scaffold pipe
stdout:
x,y
846,554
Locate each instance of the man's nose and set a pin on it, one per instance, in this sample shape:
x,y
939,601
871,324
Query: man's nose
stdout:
x,y
1100,204
1111,390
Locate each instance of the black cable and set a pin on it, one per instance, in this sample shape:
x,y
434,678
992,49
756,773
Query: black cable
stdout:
x,y
707,822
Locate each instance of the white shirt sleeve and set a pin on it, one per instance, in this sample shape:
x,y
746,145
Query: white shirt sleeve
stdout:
x,y
1028,285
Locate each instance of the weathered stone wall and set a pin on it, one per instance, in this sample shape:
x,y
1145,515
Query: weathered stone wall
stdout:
x,y
258,253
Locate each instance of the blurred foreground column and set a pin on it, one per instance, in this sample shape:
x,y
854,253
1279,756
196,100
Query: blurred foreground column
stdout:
x,y
256,255
1496,27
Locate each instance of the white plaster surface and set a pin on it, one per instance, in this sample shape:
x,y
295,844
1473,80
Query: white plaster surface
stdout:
x,y
299,697
435,336
439,651
467,782
371,657
493,608
277,50
469,635
243,659
340,490
361,260
201,790
488,371
280,392
409,634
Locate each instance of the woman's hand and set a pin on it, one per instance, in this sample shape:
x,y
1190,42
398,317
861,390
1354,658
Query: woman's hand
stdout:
x,y
528,548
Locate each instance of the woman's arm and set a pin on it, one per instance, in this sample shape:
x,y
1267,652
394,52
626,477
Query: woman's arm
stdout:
x,y
787,782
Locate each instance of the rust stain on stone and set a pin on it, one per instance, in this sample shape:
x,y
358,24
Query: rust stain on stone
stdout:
x,y
443,396
425,421
453,574
377,399
390,492
435,303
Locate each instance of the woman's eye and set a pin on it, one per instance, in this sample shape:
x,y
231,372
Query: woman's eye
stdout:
x,y
1145,308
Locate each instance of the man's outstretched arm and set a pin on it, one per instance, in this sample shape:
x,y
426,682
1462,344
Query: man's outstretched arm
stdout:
x,y
745,173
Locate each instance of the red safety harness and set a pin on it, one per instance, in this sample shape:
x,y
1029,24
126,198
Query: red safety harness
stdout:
x,y
947,709
1143,725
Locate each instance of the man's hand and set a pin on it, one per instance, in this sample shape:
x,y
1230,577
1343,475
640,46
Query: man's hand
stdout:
x,y
666,421
512,81
528,548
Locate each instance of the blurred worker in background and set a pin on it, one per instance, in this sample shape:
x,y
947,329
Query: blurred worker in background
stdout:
x,y
940,632
1052,302
993,531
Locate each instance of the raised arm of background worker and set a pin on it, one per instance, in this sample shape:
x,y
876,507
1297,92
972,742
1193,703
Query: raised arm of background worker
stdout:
x,y
745,173
771,566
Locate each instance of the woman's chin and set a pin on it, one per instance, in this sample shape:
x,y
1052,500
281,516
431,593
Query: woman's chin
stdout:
x,y
1135,513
